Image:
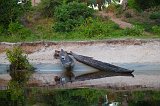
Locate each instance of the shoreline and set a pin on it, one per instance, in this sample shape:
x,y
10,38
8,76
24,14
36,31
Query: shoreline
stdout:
x,y
111,51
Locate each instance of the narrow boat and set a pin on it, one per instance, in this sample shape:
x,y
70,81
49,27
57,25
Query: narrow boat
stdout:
x,y
66,61
100,65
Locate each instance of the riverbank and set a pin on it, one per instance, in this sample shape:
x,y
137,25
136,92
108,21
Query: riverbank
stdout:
x,y
111,51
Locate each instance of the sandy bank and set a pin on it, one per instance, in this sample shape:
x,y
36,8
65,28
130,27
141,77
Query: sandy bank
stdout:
x,y
120,51
117,51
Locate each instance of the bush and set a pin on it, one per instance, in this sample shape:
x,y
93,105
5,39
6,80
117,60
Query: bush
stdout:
x,y
155,15
19,30
70,15
20,68
143,4
11,11
111,8
14,28
128,15
156,29
135,31
96,28
1,29
47,7
133,4
119,9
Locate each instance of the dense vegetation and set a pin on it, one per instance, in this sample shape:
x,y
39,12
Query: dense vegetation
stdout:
x,y
20,68
11,11
72,20
70,16
143,4
80,97
20,71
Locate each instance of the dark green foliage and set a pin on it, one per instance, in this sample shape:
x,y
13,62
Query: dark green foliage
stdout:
x,y
20,69
135,31
70,15
10,11
6,100
80,97
156,29
47,7
155,15
18,30
134,5
143,4
96,27
1,29
128,15
71,97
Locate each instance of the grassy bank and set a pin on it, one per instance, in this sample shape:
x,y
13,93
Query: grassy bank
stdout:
x,y
97,29
85,96
58,21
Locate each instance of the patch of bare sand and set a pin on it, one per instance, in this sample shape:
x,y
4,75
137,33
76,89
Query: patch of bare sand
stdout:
x,y
111,53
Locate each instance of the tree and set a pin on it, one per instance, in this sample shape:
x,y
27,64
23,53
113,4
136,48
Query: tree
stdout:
x,y
20,71
20,68
143,4
10,11
70,15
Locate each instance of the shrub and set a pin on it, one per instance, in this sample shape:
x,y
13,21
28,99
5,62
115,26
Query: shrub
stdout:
x,y
111,8
119,9
19,30
128,15
20,68
11,11
143,4
133,4
96,28
47,7
70,15
155,15
1,29
135,31
14,28
156,29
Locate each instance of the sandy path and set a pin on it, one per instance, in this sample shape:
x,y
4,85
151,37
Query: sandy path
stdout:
x,y
148,52
122,24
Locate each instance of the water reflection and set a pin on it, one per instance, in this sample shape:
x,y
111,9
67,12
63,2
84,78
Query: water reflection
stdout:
x,y
71,75
67,76
106,102
4,68
101,74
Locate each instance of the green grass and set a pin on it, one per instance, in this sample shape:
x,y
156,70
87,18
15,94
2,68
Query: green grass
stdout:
x,y
84,96
92,29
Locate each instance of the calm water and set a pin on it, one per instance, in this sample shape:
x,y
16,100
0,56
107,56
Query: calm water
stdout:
x,y
96,97
145,68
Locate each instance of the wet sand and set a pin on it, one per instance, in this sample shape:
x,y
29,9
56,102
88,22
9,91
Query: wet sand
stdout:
x,y
115,52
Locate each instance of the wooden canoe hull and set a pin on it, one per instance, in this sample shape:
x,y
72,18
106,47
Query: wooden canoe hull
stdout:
x,y
66,61
100,65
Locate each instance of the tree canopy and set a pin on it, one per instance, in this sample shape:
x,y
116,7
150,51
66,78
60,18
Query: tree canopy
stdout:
x,y
10,11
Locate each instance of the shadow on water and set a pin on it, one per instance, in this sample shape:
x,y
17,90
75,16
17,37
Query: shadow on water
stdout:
x,y
101,74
